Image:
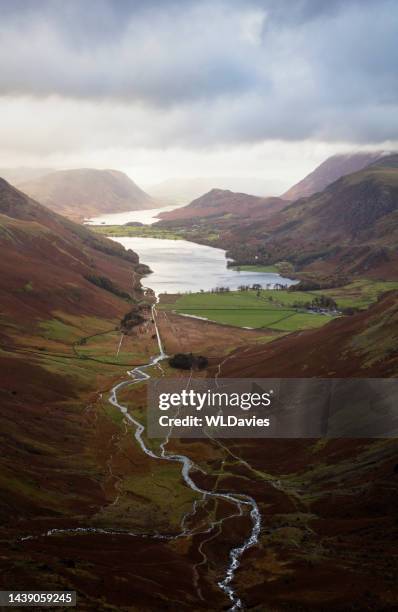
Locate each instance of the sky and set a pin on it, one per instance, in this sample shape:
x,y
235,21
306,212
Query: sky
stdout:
x,y
188,88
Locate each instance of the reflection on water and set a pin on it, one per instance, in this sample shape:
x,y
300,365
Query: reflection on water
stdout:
x,y
180,266
147,217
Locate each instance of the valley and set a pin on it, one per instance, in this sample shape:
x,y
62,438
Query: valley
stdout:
x,y
131,521
199,306
347,230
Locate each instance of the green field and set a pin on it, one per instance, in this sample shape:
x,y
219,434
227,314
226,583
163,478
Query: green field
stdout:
x,y
281,267
360,293
254,268
277,310
137,231
245,309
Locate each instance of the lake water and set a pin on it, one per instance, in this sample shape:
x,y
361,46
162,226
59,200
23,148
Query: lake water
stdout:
x,y
147,217
180,266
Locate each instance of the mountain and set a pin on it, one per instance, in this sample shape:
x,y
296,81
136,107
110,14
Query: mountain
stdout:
x,y
345,488
350,227
219,203
329,171
59,283
78,494
43,249
87,192
180,191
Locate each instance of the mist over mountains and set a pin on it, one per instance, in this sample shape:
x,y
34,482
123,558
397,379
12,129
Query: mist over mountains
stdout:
x,y
87,192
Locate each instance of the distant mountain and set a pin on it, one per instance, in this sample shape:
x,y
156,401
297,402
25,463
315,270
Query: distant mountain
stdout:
x,y
180,191
86,192
219,203
351,226
329,171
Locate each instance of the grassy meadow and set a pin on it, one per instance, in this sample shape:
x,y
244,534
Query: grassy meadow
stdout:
x,y
278,310
137,231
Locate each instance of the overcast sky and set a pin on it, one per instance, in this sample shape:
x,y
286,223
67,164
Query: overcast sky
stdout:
x,y
262,88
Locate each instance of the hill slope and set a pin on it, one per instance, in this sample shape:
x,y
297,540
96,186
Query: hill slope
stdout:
x,y
362,345
329,171
59,283
350,227
183,190
219,203
87,192
347,488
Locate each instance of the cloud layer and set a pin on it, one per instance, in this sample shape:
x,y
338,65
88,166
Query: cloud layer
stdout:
x,y
196,73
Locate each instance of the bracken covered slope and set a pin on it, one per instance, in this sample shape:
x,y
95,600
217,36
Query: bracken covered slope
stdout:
x,y
350,227
328,505
223,203
52,294
363,345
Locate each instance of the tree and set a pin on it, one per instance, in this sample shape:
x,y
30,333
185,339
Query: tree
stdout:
x,y
188,361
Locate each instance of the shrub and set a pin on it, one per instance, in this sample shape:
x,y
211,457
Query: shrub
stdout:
x,y
188,361
105,283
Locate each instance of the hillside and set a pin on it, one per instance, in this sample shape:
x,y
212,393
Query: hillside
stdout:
x,y
219,203
85,495
350,228
59,285
87,192
329,171
328,504
362,345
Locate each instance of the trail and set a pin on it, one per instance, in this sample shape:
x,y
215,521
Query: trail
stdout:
x,y
120,344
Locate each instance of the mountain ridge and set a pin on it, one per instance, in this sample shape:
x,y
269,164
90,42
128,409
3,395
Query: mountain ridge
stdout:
x,y
87,192
351,227
219,202
329,171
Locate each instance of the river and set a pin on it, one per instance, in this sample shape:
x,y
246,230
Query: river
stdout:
x,y
187,260
242,502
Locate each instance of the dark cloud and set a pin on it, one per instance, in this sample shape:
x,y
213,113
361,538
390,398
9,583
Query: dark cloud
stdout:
x,y
227,70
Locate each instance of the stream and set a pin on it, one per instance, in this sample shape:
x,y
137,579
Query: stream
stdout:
x,y
240,501
138,374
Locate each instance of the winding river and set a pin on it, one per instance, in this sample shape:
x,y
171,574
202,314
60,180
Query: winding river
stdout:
x,y
240,501
187,466
180,266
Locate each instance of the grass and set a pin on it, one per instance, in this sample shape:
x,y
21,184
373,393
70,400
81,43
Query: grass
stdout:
x,y
55,329
254,268
246,309
104,347
281,267
139,231
278,310
83,350
360,293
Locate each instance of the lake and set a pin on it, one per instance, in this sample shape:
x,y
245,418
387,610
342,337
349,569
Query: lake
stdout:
x,y
180,266
147,217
